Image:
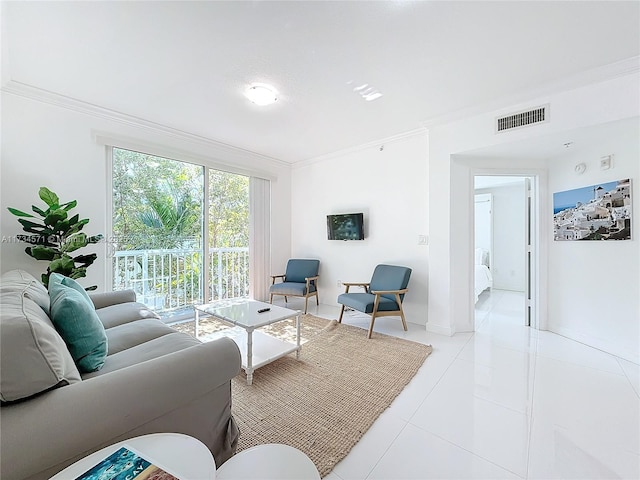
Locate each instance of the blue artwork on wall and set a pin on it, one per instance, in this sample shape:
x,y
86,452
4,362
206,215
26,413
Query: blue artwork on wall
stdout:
x,y
597,212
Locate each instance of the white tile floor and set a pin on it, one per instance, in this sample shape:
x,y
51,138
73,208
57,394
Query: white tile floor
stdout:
x,y
503,402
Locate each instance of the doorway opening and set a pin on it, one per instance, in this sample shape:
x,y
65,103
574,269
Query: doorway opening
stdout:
x,y
504,247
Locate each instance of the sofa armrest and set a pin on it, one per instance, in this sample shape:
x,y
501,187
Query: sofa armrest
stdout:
x,y
49,432
101,300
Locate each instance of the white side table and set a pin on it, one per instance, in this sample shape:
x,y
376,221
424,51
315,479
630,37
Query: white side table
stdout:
x,y
269,462
181,455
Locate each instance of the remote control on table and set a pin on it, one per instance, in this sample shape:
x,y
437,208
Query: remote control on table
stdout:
x,y
262,310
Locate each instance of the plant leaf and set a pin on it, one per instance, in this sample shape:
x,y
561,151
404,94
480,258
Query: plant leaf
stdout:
x,y
63,226
74,242
48,197
69,205
39,211
78,226
55,217
28,223
63,265
42,253
29,238
79,272
19,213
31,227
85,260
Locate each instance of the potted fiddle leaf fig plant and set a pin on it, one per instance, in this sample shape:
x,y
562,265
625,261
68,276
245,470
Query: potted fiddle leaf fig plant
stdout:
x,y
56,236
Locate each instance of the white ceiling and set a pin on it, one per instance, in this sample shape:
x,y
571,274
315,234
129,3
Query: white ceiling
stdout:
x,y
185,64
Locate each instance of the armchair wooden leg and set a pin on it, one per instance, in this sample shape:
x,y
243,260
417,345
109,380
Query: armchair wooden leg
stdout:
x,y
317,299
341,312
373,319
271,298
306,301
404,323
373,314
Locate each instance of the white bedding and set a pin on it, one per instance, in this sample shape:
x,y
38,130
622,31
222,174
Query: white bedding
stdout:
x,y
483,281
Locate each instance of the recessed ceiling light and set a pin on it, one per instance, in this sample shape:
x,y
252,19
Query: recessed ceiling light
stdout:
x,y
261,94
367,91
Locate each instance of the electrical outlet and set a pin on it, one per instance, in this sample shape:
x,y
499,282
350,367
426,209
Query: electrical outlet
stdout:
x,y
423,239
606,162
339,283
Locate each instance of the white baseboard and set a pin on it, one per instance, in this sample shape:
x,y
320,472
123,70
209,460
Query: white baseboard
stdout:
x,y
439,329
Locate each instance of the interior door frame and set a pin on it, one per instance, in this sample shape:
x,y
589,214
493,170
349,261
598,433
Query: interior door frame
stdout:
x,y
537,294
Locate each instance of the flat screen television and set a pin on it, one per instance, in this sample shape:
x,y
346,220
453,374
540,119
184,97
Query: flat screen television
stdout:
x,y
346,226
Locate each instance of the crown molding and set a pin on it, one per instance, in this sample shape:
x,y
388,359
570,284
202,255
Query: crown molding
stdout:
x,y
622,68
358,148
220,149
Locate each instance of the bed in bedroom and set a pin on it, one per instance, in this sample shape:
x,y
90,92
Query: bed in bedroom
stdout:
x,y
483,278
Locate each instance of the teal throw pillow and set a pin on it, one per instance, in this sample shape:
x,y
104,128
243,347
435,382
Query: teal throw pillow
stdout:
x,y
78,324
70,282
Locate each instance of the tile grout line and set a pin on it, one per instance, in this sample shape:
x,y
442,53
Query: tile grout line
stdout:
x,y
468,451
385,451
624,372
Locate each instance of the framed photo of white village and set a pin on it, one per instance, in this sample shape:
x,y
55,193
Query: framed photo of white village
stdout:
x,y
596,212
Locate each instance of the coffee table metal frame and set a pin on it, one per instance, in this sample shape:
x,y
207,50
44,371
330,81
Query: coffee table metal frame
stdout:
x,y
258,348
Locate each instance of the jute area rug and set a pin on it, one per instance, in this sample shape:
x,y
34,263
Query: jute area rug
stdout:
x,y
323,403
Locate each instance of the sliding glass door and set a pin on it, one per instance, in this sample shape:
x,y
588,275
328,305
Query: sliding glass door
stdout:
x,y
180,231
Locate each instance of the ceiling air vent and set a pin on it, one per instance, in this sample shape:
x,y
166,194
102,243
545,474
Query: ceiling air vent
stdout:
x,y
523,119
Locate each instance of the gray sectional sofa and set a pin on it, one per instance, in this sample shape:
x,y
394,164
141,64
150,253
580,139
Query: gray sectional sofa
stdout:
x,y
154,379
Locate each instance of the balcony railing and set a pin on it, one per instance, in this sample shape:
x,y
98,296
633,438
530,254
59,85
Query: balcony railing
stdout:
x,y
169,280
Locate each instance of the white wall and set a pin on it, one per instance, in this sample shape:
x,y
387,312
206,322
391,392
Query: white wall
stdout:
x,y
508,263
390,187
593,286
48,143
450,303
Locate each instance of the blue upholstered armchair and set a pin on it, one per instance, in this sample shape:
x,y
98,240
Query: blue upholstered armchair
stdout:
x,y
382,296
299,280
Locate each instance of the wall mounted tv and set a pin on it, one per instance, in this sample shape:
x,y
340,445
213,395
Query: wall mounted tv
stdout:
x,y
347,226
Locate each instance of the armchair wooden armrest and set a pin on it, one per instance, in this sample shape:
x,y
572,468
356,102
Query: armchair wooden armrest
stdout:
x,y
311,279
356,284
273,278
384,292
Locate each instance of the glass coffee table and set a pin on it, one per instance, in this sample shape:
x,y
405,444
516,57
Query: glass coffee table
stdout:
x,y
257,348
